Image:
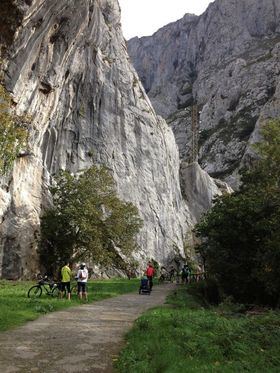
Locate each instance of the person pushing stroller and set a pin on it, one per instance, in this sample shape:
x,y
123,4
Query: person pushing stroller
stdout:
x,y
150,272
144,285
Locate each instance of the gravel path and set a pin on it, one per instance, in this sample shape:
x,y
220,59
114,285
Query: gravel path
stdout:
x,y
79,339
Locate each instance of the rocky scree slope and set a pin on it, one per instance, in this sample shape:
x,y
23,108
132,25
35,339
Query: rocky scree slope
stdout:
x,y
66,66
228,62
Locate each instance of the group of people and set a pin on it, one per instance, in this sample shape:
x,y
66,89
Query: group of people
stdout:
x,y
175,274
150,273
81,277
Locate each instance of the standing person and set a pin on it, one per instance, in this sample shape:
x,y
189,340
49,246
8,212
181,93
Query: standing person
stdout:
x,y
65,280
163,275
171,273
185,274
82,276
150,272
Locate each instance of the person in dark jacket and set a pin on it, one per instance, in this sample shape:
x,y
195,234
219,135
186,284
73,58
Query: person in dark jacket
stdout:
x,y
185,274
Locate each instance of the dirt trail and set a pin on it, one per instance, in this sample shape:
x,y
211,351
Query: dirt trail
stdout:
x,y
79,339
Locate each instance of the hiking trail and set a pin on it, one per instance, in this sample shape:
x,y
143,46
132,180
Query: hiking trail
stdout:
x,y
80,339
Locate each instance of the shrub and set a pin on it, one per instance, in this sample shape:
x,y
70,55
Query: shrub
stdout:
x,y
13,132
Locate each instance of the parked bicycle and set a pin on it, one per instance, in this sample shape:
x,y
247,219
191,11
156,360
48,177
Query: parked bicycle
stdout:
x,y
73,288
167,276
44,284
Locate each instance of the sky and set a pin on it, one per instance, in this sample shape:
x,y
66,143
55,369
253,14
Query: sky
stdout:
x,y
144,17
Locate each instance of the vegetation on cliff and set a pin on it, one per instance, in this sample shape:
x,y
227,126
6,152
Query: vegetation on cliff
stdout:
x,y
13,132
88,221
12,17
240,234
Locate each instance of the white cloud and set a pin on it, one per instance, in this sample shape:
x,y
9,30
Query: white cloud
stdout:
x,y
144,17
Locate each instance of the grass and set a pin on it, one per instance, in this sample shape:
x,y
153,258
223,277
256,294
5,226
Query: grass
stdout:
x,y
16,309
185,337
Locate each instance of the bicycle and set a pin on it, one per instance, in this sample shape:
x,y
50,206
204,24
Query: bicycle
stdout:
x,y
166,277
50,288
73,289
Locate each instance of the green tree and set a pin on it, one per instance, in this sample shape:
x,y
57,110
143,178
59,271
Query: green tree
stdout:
x,y
88,221
13,132
240,234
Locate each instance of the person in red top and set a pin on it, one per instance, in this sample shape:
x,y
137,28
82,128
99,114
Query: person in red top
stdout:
x,y
150,272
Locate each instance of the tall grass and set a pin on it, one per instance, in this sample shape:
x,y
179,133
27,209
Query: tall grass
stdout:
x,y
16,308
185,337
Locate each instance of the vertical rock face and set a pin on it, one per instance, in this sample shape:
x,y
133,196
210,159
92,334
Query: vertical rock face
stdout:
x,y
68,69
164,63
199,189
227,61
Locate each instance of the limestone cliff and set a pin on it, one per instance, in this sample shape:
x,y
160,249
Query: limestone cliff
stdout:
x,y
66,65
227,61
199,189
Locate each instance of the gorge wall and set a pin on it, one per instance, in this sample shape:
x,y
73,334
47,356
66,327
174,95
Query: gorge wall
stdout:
x,y
66,66
227,61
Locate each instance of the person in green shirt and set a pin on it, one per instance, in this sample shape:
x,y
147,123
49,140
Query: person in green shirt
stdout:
x,y
65,280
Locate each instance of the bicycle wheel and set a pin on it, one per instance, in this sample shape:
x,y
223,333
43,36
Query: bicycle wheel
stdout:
x,y
35,291
74,290
55,292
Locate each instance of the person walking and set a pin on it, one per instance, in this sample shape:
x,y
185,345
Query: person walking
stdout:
x,y
82,278
65,280
150,272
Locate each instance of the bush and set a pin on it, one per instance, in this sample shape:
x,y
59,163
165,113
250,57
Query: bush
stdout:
x,y
13,132
207,291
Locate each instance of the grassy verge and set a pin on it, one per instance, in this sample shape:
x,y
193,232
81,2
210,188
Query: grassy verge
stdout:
x,y
185,337
16,308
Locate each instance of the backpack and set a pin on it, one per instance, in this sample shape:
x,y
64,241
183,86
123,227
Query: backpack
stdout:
x,y
81,275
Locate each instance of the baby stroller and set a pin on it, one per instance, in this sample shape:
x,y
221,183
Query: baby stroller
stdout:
x,y
144,286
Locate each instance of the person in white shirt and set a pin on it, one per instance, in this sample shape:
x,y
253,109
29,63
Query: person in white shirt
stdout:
x,y
82,276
